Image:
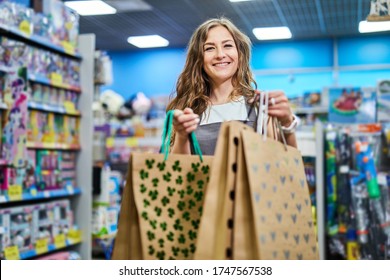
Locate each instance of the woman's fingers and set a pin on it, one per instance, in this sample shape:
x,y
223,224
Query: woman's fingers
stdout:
x,y
279,107
185,121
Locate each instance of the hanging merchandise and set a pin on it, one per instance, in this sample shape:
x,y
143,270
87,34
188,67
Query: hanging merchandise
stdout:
x,y
383,89
362,201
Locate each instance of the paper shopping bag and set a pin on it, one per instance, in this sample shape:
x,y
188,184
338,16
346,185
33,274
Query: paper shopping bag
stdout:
x,y
162,205
214,237
226,231
280,199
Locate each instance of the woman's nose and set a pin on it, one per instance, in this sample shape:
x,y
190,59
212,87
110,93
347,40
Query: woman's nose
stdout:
x,y
220,52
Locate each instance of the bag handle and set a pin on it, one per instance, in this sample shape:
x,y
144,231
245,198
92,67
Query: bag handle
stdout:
x,y
167,136
263,119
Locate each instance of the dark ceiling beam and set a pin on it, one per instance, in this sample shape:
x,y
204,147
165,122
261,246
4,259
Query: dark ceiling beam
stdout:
x,y
280,12
320,16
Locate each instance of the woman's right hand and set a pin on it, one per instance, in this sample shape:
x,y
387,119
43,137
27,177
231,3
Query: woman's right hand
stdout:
x,y
185,122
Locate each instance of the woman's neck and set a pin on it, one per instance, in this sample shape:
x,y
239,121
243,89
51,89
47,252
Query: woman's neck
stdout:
x,y
221,94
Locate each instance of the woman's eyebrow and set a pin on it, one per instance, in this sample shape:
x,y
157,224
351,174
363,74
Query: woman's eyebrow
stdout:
x,y
223,42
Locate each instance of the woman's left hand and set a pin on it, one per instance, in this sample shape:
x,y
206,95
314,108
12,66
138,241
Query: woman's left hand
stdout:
x,y
279,107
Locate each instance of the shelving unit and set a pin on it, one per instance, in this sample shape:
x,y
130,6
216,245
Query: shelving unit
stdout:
x,y
80,196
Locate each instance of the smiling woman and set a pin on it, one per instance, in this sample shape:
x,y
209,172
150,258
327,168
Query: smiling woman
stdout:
x,y
217,85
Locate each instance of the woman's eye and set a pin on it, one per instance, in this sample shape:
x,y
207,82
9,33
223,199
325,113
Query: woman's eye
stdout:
x,y
208,49
228,46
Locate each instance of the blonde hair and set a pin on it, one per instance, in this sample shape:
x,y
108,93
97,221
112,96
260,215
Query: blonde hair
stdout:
x,y
193,86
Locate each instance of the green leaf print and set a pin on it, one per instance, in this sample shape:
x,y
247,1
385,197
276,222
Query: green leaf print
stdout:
x,y
165,200
149,163
143,174
176,166
161,166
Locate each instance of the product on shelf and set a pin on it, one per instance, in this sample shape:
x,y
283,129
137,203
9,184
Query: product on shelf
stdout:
x,y
14,152
383,88
65,22
17,224
13,53
352,105
44,222
25,226
68,169
48,170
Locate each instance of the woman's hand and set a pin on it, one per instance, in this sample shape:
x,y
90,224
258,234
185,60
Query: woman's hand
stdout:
x,y
185,122
279,107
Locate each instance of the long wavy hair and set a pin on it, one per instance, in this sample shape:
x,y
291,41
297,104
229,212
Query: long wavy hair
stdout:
x,y
193,87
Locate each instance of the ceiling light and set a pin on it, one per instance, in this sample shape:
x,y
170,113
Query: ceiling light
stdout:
x,y
239,0
272,33
91,8
373,26
150,41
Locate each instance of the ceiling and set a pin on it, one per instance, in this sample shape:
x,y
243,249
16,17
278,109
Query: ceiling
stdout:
x,y
175,20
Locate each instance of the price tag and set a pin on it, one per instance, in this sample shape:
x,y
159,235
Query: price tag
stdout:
x,y
110,142
41,246
33,192
12,253
70,189
56,79
131,142
74,235
15,192
46,194
25,27
60,241
70,107
68,48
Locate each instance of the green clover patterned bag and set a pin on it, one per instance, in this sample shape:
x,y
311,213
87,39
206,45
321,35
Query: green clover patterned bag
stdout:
x,y
162,203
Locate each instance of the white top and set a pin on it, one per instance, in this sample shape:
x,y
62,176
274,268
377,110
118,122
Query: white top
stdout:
x,y
234,110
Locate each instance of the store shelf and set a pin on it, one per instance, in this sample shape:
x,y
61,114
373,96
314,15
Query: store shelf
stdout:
x,y
12,253
39,41
52,82
133,142
52,146
311,110
52,108
36,195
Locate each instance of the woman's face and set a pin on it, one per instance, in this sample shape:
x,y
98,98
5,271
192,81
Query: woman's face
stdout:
x,y
220,61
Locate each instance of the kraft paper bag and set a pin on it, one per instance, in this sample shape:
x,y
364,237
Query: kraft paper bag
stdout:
x,y
127,244
162,205
215,236
226,231
280,199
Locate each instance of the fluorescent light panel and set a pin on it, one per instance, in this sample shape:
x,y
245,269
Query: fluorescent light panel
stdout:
x,y
240,0
373,26
149,41
91,8
272,33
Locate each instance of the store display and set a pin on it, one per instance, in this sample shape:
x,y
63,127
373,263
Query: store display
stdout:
x,y
358,216
40,97
352,105
27,228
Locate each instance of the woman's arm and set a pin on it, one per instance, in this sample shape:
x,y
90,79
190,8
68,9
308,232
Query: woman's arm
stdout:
x,y
184,122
